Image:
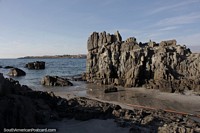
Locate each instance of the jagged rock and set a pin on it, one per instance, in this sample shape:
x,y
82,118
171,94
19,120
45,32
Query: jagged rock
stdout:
x,y
168,43
118,36
22,107
131,40
55,81
36,65
167,66
146,120
16,72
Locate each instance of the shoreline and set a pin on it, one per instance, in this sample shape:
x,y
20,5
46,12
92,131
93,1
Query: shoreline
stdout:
x,y
139,97
44,107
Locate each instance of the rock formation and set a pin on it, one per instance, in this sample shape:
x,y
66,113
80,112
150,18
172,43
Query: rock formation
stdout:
x,y
165,66
55,81
23,108
16,72
36,65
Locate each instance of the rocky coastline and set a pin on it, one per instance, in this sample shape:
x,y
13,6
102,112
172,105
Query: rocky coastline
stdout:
x,y
22,107
166,66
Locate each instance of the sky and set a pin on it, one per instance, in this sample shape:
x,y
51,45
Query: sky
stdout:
x,y
56,27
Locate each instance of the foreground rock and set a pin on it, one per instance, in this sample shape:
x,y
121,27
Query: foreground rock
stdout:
x,y
23,108
165,66
36,65
55,81
16,72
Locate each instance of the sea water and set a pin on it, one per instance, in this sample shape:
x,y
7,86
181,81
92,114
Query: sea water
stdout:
x,y
63,67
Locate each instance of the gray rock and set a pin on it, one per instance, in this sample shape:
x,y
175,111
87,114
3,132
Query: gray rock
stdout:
x,y
110,89
36,65
55,81
16,72
167,66
168,43
118,36
22,107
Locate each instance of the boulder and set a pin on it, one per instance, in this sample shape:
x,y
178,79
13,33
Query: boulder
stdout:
x,y
110,89
36,65
16,72
55,81
8,67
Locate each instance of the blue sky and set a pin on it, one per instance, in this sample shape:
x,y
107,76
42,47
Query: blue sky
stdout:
x,y
51,27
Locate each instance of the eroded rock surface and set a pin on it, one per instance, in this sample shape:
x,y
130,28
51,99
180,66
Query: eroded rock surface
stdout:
x,y
23,108
55,81
165,66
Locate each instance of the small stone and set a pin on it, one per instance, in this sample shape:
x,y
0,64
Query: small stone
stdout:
x,y
110,89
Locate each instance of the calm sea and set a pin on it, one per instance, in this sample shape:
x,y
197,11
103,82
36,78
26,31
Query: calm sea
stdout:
x,y
55,67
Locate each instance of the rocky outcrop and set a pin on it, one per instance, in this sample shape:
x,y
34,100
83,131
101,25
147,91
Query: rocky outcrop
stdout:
x,y
23,108
165,66
55,81
16,72
36,65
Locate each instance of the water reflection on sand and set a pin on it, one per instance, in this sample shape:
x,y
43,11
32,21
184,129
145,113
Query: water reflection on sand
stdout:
x,y
137,96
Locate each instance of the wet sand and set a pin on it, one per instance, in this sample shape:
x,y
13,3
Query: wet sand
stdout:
x,y
148,98
136,96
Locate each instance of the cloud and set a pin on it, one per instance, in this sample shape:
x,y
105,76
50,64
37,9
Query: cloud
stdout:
x,y
179,20
168,28
172,7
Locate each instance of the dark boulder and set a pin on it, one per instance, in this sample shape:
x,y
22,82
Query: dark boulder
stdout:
x,y
110,89
16,72
36,65
17,112
55,81
8,67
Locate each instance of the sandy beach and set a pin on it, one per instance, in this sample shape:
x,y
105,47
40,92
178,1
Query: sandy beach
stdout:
x,y
124,97
136,96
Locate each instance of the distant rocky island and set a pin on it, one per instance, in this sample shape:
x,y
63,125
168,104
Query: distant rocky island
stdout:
x,y
54,56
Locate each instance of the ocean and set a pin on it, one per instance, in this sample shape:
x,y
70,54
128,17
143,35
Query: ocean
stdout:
x,y
64,67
